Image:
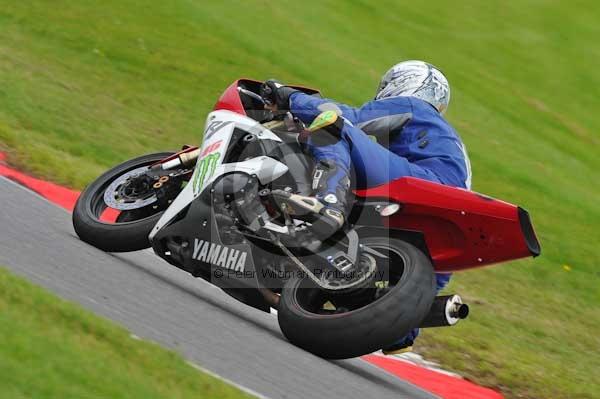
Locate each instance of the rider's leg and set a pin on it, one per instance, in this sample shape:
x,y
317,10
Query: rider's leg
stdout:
x,y
331,176
334,153
375,165
372,163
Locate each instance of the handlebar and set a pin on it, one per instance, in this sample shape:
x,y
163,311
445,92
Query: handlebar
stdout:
x,y
251,94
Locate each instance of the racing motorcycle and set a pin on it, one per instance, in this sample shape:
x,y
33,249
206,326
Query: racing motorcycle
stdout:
x,y
211,211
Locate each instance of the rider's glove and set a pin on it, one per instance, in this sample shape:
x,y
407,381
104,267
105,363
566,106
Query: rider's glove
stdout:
x,y
275,93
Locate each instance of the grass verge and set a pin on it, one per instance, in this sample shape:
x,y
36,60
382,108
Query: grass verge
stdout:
x,y
50,348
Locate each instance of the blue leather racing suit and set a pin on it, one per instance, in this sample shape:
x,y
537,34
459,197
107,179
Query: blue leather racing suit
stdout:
x,y
412,139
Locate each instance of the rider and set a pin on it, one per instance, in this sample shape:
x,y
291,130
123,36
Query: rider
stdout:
x,y
411,139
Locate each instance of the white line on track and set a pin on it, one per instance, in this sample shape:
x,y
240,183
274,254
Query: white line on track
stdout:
x,y
228,381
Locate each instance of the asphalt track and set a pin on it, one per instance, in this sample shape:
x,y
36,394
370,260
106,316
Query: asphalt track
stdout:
x,y
156,301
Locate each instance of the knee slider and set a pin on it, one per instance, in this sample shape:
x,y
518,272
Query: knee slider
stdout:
x,y
326,129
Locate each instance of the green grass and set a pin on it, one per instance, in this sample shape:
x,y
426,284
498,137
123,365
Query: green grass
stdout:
x,y
50,348
84,86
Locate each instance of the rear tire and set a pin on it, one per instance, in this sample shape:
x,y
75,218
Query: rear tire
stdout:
x,y
368,328
119,237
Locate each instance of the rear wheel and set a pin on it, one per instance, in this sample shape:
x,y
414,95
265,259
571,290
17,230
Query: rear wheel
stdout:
x,y
339,326
125,192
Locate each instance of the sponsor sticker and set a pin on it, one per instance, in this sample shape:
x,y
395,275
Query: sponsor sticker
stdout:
x,y
204,170
220,255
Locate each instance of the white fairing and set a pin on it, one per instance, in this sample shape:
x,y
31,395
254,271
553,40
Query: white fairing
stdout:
x,y
217,134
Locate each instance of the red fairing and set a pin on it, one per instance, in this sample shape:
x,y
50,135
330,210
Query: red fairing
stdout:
x,y
462,229
230,100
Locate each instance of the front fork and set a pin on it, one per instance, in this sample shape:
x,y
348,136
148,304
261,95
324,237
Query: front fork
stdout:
x,y
186,158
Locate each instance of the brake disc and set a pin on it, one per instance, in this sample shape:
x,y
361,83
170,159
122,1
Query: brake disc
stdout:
x,y
116,197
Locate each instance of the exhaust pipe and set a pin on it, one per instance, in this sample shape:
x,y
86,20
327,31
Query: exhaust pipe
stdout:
x,y
445,311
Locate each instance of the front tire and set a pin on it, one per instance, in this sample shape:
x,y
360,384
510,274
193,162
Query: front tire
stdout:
x,y
124,236
368,328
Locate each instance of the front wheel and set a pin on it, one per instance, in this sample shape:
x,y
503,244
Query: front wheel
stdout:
x,y
339,326
128,192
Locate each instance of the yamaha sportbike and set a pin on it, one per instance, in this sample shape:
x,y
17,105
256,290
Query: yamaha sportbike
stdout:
x,y
210,211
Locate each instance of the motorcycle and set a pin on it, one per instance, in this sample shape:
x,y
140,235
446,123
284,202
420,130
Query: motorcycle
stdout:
x,y
210,210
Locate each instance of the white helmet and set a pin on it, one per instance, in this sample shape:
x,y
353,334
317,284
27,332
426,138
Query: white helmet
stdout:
x,y
416,79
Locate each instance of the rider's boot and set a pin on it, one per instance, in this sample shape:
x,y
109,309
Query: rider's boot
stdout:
x,y
327,210
403,345
398,349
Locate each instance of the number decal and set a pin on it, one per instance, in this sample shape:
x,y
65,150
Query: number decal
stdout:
x,y
214,127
